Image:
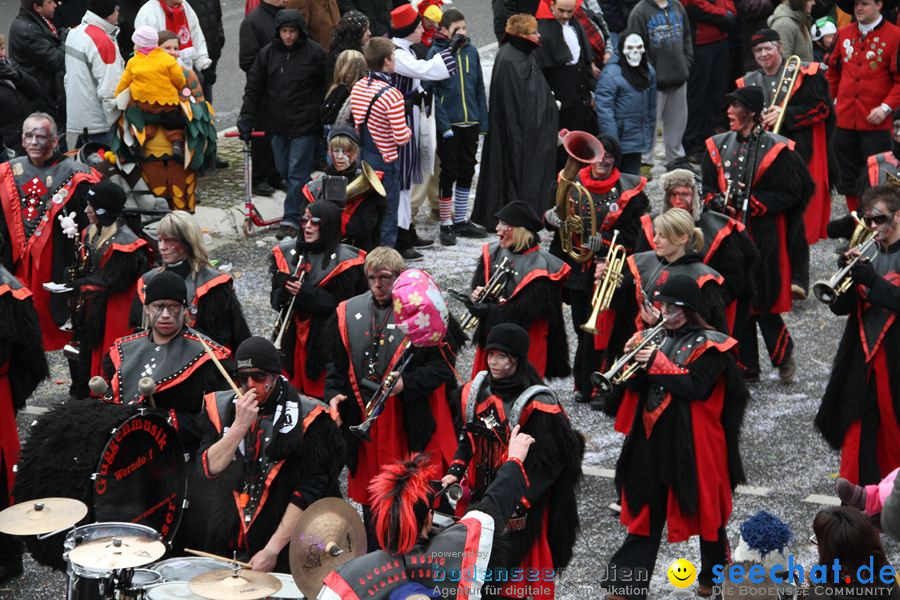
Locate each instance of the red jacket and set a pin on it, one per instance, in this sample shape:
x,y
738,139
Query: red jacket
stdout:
x,y
708,19
863,73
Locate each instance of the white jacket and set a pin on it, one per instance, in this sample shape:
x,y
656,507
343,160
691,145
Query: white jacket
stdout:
x,y
93,68
152,15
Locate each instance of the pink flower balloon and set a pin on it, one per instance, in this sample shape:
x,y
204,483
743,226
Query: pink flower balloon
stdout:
x,y
419,308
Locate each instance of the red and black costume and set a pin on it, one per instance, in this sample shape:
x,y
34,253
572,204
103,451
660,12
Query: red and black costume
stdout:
x,y
808,121
680,461
34,247
212,309
104,296
291,455
541,531
21,353
860,411
883,168
619,201
779,190
533,299
641,278
360,216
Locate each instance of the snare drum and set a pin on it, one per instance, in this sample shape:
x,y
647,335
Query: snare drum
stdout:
x,y
89,583
185,568
141,581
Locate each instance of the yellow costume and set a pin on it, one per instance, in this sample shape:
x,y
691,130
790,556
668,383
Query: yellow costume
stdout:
x,y
155,78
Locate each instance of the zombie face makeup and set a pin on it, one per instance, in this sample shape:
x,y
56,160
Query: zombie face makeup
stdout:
x,y
38,140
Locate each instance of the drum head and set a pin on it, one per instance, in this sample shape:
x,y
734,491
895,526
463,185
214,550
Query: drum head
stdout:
x,y
141,476
187,567
171,591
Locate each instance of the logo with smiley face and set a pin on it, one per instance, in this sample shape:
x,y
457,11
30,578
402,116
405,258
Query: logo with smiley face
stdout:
x,y
682,573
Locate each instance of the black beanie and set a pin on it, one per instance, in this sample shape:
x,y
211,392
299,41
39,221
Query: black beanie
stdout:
x,y
520,214
103,8
258,353
750,96
107,199
680,290
166,286
509,338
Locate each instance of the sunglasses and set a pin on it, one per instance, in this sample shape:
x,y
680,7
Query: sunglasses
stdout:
x,y
257,376
876,220
314,220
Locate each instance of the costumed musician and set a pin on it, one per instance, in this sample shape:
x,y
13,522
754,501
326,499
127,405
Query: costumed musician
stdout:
x,y
680,462
330,273
618,201
115,258
531,295
860,411
678,244
726,246
540,534
269,454
885,167
21,353
803,115
411,546
362,213
212,306
369,346
769,188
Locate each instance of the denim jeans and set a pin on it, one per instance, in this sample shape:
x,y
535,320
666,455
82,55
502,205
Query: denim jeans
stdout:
x,y
392,189
293,159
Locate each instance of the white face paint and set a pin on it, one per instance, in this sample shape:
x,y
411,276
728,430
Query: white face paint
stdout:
x,y
633,49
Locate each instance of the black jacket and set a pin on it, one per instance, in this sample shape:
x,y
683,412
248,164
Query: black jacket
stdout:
x,y
504,9
209,13
378,11
39,52
16,92
128,10
257,30
292,78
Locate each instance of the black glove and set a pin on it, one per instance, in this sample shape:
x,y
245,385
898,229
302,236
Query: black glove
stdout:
x,y
245,128
841,228
479,310
864,273
458,41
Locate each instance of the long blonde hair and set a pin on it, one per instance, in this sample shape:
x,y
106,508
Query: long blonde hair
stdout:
x,y
349,68
677,222
181,225
522,239
104,233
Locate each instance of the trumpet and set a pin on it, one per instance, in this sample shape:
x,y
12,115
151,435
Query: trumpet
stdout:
x,y
284,317
625,367
375,406
491,292
604,290
840,282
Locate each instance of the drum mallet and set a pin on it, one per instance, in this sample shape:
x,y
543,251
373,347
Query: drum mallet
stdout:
x,y
217,557
146,388
219,366
98,386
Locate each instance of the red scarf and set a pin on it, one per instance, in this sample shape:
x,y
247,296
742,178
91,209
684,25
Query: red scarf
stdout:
x,y
598,186
176,22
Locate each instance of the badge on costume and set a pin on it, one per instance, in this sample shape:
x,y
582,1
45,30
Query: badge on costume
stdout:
x,y
49,181
18,169
291,412
35,187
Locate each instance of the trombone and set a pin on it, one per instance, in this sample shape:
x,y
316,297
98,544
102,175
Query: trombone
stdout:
x,y
606,287
785,88
625,367
284,317
827,291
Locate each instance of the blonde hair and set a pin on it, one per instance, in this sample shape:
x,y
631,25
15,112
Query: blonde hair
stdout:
x,y
522,239
521,24
677,222
385,257
104,233
344,143
349,68
181,225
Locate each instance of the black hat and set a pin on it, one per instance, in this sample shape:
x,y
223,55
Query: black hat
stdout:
x,y
680,290
107,199
848,5
750,96
345,131
258,353
509,338
764,35
166,286
611,145
103,8
520,214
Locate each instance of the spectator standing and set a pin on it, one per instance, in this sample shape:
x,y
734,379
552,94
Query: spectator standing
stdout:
x,y
321,18
864,81
792,21
351,67
69,13
708,81
626,101
753,15
93,68
35,46
462,117
823,33
352,33
291,72
128,10
179,17
376,11
209,15
664,24
17,89
616,13
504,9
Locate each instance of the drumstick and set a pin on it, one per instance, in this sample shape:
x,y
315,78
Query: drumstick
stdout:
x,y
220,367
217,557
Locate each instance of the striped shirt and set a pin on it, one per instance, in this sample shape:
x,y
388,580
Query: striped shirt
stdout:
x,y
387,122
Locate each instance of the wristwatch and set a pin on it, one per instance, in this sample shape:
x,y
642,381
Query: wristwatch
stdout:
x,y
886,108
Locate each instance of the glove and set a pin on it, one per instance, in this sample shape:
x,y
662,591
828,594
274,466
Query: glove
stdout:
x,y
68,225
447,134
479,310
551,217
244,127
458,41
864,273
594,243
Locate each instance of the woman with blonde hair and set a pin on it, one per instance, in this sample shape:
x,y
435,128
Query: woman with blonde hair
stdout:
x,y
678,246
213,308
350,67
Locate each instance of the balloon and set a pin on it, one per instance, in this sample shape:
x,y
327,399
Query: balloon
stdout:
x,y
419,308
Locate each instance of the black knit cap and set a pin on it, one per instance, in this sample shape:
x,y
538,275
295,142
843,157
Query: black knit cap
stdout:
x,y
258,353
764,35
680,290
520,214
509,338
345,131
107,199
166,286
750,96
103,8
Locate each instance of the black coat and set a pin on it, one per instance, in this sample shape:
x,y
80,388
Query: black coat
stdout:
x,y
257,30
504,9
69,13
209,14
378,12
39,53
128,10
17,89
573,85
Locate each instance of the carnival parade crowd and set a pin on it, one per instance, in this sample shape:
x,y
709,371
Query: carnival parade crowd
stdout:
x,y
771,115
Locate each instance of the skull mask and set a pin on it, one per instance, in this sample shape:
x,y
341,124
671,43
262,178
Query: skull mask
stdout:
x,y
633,49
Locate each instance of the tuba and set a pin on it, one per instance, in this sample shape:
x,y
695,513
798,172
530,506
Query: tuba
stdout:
x,y
862,240
365,182
606,287
785,88
572,198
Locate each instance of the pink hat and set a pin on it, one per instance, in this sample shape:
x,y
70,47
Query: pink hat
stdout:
x,y
145,37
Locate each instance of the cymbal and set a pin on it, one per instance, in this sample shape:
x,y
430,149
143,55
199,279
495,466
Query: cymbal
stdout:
x,y
43,515
329,533
225,584
117,552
